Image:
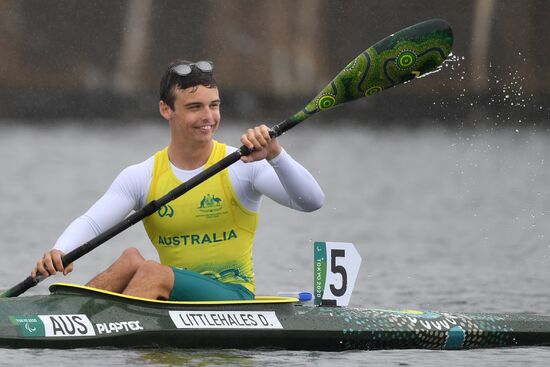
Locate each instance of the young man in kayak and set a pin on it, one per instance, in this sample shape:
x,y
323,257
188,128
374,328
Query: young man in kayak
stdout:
x,y
204,238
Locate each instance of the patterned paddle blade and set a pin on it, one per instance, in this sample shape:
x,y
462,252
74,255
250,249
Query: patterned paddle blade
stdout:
x,y
398,58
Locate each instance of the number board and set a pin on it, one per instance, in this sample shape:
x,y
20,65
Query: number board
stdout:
x,y
335,268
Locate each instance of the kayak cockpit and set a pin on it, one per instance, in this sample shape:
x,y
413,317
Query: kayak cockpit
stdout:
x,y
74,289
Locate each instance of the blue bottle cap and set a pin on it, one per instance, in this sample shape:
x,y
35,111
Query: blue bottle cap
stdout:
x,y
305,296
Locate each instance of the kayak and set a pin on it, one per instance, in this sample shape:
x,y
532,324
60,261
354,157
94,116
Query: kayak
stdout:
x,y
74,316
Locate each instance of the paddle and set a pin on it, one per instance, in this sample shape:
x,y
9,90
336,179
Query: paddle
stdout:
x,y
396,59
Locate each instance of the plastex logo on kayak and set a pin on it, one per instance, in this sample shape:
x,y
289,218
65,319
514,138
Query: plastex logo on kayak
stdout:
x,y
53,325
118,326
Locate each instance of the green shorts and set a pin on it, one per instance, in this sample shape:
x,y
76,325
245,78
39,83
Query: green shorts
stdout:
x,y
192,286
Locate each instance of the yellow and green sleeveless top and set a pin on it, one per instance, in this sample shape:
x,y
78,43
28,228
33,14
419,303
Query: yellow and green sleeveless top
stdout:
x,y
207,230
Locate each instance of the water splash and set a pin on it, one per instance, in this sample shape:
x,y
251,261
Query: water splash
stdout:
x,y
450,59
501,100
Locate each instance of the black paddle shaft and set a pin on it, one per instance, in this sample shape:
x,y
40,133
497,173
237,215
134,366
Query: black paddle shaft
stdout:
x,y
148,209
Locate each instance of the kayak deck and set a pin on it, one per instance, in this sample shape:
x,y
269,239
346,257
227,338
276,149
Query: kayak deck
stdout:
x,y
75,316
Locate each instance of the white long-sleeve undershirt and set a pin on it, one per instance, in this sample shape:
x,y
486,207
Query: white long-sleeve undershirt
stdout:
x,y
282,179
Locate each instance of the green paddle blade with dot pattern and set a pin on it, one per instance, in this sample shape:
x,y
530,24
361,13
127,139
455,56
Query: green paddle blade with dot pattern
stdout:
x,y
410,53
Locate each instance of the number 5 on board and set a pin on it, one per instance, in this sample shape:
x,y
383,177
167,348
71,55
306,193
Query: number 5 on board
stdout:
x,y
335,268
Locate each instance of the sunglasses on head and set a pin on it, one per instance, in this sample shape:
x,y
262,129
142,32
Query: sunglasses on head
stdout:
x,y
186,68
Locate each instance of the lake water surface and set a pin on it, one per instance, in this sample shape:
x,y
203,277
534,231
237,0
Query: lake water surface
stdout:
x,y
444,220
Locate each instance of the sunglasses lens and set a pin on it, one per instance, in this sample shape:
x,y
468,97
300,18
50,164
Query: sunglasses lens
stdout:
x,y
205,66
182,69
185,69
